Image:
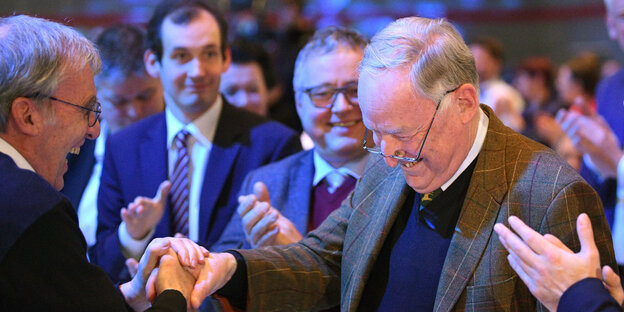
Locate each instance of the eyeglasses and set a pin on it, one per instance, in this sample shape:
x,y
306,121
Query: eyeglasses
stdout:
x,y
93,113
325,96
377,150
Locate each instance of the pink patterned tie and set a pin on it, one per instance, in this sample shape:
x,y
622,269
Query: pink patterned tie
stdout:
x,y
180,186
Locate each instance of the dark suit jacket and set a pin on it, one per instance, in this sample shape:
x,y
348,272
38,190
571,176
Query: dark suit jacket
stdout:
x,y
43,263
135,163
289,182
79,172
513,176
588,295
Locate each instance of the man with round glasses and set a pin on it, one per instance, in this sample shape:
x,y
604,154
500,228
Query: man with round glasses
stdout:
x,y
417,231
293,196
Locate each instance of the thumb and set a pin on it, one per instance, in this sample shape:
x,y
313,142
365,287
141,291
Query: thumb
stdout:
x,y
586,234
261,192
163,191
132,265
150,286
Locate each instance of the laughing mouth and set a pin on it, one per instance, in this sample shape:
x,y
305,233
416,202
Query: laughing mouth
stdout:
x,y
75,151
345,123
409,164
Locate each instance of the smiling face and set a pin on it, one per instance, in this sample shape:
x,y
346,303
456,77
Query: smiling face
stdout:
x,y
67,127
192,63
243,86
399,120
126,100
337,132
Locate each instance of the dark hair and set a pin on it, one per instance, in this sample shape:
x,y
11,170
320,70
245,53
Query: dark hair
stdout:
x,y
121,49
492,46
246,52
585,69
538,66
181,12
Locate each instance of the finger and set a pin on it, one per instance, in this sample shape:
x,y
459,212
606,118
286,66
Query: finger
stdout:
x,y
254,215
555,241
179,235
268,239
163,191
530,237
125,215
181,249
263,226
586,235
610,278
132,265
246,203
153,252
514,263
515,245
261,192
150,286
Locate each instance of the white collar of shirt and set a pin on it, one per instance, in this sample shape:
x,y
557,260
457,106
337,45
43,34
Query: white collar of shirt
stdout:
x,y
484,121
201,129
19,160
322,168
100,142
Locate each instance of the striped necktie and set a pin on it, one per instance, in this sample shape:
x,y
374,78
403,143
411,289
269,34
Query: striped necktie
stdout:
x,y
180,186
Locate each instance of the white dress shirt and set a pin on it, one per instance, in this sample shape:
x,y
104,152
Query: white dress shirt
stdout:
x,y
202,131
323,169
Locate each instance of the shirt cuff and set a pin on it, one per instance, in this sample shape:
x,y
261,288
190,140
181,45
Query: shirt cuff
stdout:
x,y
130,247
235,290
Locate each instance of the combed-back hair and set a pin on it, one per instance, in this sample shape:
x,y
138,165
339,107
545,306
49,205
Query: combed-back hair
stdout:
x,y
36,55
181,12
325,41
433,49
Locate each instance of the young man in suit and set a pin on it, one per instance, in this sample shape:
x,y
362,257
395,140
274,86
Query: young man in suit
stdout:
x,y
304,188
201,143
417,231
48,107
128,94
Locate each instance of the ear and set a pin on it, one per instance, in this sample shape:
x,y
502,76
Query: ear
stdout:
x,y
611,29
25,117
152,65
467,102
227,59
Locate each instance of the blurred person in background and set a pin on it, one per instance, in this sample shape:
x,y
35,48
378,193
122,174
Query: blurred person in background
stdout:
x,y
506,101
127,93
534,79
201,143
303,189
250,78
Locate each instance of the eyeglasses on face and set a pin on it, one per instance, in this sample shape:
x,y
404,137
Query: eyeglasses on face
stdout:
x,y
377,150
93,114
325,96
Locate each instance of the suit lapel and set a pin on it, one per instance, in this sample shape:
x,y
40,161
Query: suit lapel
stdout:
x,y
221,160
154,167
370,223
480,210
300,192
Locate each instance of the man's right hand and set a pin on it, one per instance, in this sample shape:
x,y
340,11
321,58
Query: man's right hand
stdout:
x,y
215,273
263,224
144,213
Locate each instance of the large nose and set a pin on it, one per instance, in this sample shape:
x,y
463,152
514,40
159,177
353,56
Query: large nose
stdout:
x,y
388,147
93,132
341,103
196,68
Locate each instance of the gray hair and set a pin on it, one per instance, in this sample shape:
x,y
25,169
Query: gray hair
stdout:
x,y
36,55
438,57
325,41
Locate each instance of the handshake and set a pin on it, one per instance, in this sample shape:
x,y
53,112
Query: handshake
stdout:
x,y
178,264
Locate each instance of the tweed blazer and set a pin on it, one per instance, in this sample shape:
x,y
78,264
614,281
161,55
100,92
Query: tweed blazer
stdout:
x,y
289,182
513,176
